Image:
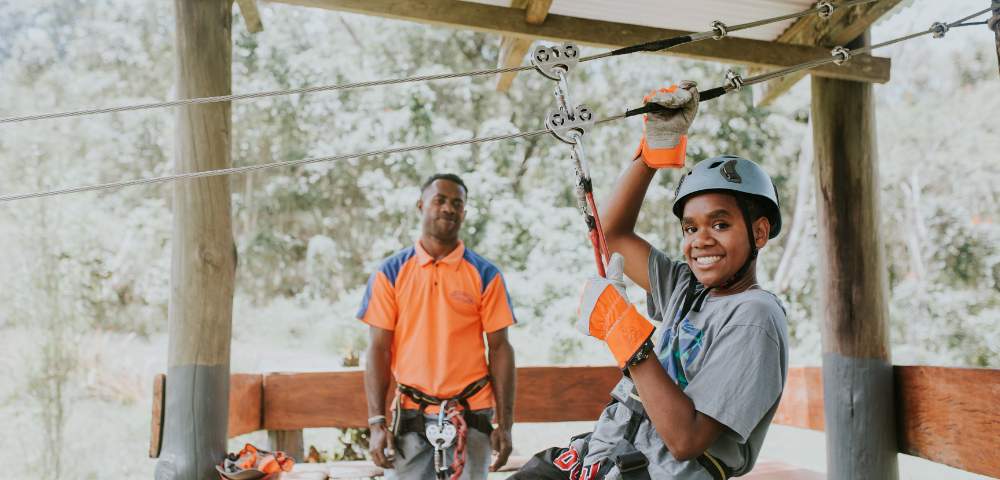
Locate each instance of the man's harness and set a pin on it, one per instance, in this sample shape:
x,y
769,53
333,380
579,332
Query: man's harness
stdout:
x,y
454,419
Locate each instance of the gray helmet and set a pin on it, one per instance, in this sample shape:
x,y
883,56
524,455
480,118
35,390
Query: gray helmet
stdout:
x,y
729,173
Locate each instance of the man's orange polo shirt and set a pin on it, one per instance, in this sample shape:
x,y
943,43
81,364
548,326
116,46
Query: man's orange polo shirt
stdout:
x,y
438,312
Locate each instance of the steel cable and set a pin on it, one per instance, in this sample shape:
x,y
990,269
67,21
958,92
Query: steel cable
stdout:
x,y
650,46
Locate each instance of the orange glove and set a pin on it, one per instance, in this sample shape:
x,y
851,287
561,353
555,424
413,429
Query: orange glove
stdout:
x,y
606,314
664,133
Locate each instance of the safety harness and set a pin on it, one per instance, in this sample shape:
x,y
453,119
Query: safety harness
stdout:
x,y
632,463
454,419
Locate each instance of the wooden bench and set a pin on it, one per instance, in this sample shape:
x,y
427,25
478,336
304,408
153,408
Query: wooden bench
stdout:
x,y
945,415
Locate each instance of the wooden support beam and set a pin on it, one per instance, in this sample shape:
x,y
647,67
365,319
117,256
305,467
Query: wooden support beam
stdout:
x,y
844,25
995,25
251,15
513,49
857,369
560,28
289,441
203,258
945,415
512,52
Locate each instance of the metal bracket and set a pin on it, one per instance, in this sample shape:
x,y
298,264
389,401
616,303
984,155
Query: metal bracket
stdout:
x,y
734,81
825,9
840,55
721,30
570,126
939,29
551,61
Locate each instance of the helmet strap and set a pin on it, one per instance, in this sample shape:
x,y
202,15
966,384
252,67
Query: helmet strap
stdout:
x,y
753,246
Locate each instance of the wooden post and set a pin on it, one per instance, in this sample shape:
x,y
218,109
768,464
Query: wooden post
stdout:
x,y
288,441
857,368
203,260
995,25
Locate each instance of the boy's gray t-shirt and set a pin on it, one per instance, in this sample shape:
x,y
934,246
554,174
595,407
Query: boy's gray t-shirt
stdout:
x,y
730,358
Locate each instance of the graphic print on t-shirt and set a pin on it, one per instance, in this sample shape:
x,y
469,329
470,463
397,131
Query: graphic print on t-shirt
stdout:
x,y
680,345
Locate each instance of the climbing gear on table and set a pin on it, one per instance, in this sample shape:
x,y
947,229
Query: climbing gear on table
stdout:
x,y
252,463
454,419
605,313
664,133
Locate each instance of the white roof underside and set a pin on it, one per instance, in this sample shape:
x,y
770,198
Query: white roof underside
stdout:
x,y
690,15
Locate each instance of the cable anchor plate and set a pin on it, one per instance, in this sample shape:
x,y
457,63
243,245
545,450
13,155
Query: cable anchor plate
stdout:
x,y
825,9
556,59
568,126
840,55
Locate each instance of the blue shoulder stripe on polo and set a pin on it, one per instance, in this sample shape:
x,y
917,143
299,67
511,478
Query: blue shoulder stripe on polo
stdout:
x,y
390,267
487,271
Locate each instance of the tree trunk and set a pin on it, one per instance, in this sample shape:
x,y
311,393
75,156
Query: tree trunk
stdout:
x,y
203,259
857,369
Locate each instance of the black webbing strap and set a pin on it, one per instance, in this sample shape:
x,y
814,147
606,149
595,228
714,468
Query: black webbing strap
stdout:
x,y
416,423
424,399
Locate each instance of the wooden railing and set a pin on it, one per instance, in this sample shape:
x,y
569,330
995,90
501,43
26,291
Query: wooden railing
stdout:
x,y
945,415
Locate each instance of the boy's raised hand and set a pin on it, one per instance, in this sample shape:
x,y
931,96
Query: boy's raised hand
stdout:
x,y
664,133
606,313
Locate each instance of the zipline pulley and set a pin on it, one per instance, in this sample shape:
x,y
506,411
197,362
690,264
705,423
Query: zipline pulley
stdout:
x,y
568,126
556,60
441,436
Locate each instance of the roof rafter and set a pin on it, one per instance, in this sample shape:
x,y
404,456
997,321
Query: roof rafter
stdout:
x,y
560,28
251,15
843,26
513,49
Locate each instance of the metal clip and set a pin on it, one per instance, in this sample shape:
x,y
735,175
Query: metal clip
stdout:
x,y
939,29
840,55
734,81
721,30
551,61
825,9
570,126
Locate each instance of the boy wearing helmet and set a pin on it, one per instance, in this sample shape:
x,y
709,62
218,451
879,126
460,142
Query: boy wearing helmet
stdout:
x,y
696,405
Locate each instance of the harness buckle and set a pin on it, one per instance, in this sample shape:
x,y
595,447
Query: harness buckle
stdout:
x,y
555,60
631,461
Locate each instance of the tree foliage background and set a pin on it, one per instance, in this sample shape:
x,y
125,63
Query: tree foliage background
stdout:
x,y
85,279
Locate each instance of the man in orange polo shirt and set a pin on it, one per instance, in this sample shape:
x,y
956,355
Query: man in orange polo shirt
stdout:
x,y
427,308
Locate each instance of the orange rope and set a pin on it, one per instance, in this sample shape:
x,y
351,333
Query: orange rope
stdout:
x,y
458,460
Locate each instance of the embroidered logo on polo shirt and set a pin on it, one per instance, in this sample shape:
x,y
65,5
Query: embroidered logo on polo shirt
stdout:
x,y
462,297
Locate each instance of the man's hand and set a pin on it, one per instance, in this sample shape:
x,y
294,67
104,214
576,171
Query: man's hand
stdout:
x,y
500,441
664,133
381,446
606,313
